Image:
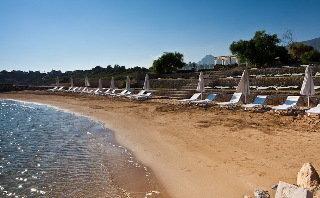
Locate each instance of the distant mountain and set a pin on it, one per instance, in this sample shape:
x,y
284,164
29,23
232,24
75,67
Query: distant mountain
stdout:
x,y
315,43
207,60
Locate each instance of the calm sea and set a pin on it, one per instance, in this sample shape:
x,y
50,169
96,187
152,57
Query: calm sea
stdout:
x,y
45,152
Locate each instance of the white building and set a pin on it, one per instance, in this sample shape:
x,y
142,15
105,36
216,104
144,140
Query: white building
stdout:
x,y
225,60
209,61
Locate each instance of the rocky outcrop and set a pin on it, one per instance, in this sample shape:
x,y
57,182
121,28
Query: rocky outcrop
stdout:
x,y
308,186
308,177
285,190
261,194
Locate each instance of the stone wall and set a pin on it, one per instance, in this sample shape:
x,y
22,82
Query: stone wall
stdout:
x,y
170,83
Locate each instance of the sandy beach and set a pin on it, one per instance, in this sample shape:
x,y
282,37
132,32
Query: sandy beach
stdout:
x,y
198,151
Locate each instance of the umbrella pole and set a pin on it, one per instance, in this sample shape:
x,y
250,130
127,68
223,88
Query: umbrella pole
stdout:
x,y
308,101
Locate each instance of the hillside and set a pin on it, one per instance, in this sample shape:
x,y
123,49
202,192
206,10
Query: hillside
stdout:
x,y
207,60
315,43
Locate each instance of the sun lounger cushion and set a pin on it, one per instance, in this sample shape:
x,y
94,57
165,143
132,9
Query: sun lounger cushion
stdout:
x,y
290,103
234,100
314,110
144,96
258,102
210,98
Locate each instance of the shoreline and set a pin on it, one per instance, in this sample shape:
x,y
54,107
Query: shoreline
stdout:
x,y
112,170
198,152
151,176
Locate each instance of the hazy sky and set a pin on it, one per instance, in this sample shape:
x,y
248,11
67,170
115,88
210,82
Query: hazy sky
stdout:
x,y
80,34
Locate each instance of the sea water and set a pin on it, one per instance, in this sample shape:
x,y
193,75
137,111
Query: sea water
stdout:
x,y
45,152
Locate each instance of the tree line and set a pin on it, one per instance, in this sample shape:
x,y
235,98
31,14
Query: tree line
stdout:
x,y
265,50
38,78
262,50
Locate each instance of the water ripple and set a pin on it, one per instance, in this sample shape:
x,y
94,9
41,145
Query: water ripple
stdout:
x,y
50,153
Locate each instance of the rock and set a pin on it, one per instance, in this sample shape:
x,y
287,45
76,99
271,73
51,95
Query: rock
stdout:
x,y
261,194
308,177
316,194
286,190
274,187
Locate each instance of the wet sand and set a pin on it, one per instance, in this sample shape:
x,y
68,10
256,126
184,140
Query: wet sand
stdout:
x,y
202,152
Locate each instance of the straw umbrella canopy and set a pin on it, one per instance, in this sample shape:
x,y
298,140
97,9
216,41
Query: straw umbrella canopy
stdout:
x,y
100,84
86,82
128,83
57,81
307,88
112,84
200,87
243,86
146,84
71,82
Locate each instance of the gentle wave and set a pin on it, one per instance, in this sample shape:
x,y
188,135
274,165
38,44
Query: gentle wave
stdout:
x,y
45,152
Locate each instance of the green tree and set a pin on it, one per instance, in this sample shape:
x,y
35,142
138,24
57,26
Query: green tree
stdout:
x,y
296,50
169,62
312,56
243,50
98,69
263,49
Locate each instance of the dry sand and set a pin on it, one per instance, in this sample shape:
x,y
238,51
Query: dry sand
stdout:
x,y
202,152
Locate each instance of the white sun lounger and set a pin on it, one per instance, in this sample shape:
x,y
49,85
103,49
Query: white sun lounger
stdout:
x,y
87,91
70,88
112,93
193,98
122,93
60,89
106,92
93,91
141,92
314,110
128,93
259,101
97,91
316,87
290,103
84,90
78,89
74,89
143,96
81,89
235,99
53,89
210,98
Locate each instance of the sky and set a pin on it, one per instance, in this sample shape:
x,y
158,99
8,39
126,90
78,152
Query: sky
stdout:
x,y
42,35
